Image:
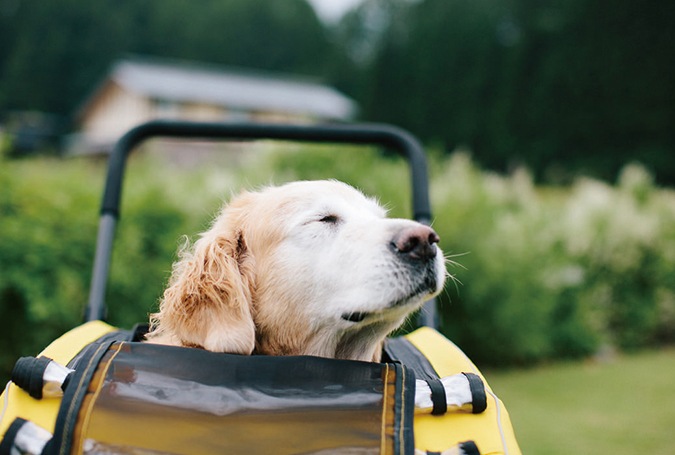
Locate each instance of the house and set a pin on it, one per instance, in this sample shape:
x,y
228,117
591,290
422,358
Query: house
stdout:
x,y
138,90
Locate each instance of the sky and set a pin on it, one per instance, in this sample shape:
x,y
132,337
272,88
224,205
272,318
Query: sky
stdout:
x,y
333,10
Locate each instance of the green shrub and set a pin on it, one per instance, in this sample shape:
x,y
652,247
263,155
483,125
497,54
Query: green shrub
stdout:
x,y
46,251
555,273
49,211
502,312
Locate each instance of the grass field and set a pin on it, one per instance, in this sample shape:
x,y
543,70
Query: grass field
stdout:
x,y
625,405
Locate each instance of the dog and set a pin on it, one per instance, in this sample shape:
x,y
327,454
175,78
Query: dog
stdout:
x,y
306,268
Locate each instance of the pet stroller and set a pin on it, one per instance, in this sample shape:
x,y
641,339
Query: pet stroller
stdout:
x,y
98,389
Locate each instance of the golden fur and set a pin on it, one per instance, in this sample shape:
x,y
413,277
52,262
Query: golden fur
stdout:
x,y
307,268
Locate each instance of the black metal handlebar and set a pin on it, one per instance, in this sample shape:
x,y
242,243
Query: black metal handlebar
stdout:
x,y
392,138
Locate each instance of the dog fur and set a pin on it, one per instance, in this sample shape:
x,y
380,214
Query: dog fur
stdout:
x,y
306,268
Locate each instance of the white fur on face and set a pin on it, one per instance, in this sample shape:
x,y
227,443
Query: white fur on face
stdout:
x,y
326,278
335,260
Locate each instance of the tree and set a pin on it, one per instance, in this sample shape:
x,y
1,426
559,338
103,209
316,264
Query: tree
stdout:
x,y
54,53
563,87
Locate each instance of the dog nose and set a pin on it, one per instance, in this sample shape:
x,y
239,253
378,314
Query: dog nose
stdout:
x,y
417,242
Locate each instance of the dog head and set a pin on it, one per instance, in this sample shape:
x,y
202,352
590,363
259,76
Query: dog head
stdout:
x,y
307,268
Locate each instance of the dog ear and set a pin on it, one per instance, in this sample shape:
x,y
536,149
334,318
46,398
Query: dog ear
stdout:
x,y
209,298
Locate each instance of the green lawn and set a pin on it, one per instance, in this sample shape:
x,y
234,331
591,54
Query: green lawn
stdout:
x,y
622,406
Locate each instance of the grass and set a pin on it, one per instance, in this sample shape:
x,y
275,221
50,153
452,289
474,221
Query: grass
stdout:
x,y
621,406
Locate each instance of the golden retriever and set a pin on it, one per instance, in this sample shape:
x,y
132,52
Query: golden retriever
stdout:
x,y
306,268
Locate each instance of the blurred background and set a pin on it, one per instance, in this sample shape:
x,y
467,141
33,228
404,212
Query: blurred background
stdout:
x,y
550,132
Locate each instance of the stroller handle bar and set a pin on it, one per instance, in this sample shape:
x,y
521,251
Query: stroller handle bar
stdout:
x,y
390,137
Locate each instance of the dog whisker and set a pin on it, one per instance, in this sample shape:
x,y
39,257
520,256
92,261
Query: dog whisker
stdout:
x,y
448,258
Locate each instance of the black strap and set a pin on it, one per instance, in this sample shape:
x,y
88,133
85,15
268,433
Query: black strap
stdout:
x,y
72,397
28,374
8,440
139,331
465,448
403,351
478,395
109,338
66,381
469,448
404,410
438,397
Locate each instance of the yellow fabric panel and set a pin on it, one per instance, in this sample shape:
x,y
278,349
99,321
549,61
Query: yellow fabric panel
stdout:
x,y
491,430
62,350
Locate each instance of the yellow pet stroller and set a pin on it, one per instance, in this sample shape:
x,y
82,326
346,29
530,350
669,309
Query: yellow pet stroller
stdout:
x,y
98,390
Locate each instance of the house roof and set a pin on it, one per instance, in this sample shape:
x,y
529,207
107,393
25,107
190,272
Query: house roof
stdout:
x,y
232,88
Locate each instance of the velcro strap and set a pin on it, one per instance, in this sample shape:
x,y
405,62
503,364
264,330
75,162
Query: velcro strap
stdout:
x,y
28,374
469,448
438,398
478,396
7,443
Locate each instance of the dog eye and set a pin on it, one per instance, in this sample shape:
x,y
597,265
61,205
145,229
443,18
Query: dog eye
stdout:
x,y
330,219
